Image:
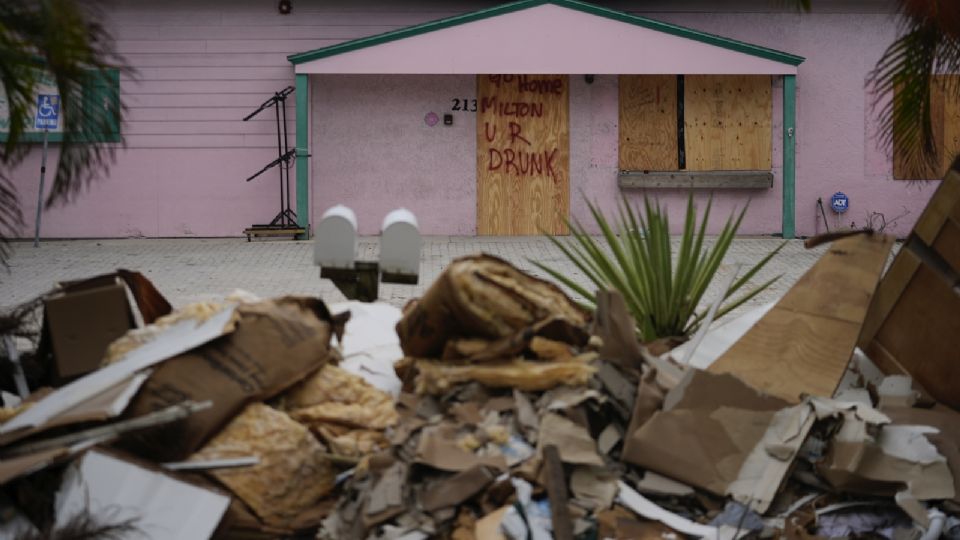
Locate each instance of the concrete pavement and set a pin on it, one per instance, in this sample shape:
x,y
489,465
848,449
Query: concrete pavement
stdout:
x,y
189,270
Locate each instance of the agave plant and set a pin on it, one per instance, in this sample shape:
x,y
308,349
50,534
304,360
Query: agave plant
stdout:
x,y
638,261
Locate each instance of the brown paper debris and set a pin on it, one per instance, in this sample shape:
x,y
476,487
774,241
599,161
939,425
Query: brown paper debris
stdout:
x,y
336,395
575,444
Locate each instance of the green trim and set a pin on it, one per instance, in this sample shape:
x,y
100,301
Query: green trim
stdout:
x,y
105,89
789,155
667,28
303,152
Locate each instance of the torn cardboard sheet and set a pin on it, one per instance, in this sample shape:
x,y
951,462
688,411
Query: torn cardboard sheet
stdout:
x,y
575,444
803,344
437,377
292,475
453,490
617,329
438,448
176,339
161,506
719,434
275,345
874,458
596,486
481,296
947,441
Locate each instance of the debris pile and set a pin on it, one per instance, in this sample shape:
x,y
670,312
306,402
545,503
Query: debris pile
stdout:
x,y
504,410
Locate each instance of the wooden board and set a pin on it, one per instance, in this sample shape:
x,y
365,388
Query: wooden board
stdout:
x,y
696,180
728,122
523,154
803,344
914,319
648,123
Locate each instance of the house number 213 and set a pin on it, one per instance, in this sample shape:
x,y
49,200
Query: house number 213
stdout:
x,y
465,105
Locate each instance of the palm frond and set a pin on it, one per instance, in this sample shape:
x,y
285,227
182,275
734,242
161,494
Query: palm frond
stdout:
x,y
904,79
62,38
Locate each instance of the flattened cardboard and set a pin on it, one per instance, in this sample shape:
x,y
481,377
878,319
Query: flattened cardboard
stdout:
x,y
275,345
81,324
453,490
575,444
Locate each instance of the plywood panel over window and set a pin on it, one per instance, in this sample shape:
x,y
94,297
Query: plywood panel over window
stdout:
x,y
727,121
648,126
945,119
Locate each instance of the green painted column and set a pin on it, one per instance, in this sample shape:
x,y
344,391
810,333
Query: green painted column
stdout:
x,y
789,155
303,151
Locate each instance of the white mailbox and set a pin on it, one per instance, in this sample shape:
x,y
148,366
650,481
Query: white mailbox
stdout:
x,y
400,244
335,243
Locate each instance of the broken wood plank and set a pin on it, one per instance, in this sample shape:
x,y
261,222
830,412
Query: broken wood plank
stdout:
x,y
557,493
803,345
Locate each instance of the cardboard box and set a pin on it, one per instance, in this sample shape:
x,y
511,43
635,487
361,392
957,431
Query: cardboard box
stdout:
x,y
80,324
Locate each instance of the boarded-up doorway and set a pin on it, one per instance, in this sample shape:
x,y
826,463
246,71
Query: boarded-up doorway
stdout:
x,y
523,154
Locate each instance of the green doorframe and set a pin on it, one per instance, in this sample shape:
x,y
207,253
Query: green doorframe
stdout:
x,y
303,151
789,155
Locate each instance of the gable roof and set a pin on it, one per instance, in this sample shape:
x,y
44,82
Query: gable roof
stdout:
x,y
599,14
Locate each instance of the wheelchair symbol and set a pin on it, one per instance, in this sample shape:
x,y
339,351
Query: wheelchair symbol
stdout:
x,y
46,110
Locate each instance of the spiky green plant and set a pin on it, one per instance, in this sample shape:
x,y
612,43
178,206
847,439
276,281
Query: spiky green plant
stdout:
x,y
661,294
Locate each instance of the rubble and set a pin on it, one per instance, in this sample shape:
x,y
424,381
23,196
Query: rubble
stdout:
x,y
512,413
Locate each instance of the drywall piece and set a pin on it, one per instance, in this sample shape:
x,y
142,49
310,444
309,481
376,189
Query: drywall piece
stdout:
x,y
116,490
804,343
370,345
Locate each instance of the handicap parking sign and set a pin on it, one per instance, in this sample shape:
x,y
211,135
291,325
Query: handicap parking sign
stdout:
x,y
840,202
48,111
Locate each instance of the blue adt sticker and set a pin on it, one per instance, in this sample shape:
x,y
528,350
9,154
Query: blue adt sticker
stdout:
x,y
48,111
840,202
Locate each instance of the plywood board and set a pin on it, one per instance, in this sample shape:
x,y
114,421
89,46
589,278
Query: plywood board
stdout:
x,y
523,154
803,344
728,122
648,123
913,322
920,334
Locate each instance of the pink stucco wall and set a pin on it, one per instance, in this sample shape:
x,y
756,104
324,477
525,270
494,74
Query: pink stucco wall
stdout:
x,y
203,65
373,151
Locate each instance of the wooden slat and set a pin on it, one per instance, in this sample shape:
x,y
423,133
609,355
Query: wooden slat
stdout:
x,y
803,345
523,154
697,180
728,122
648,122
